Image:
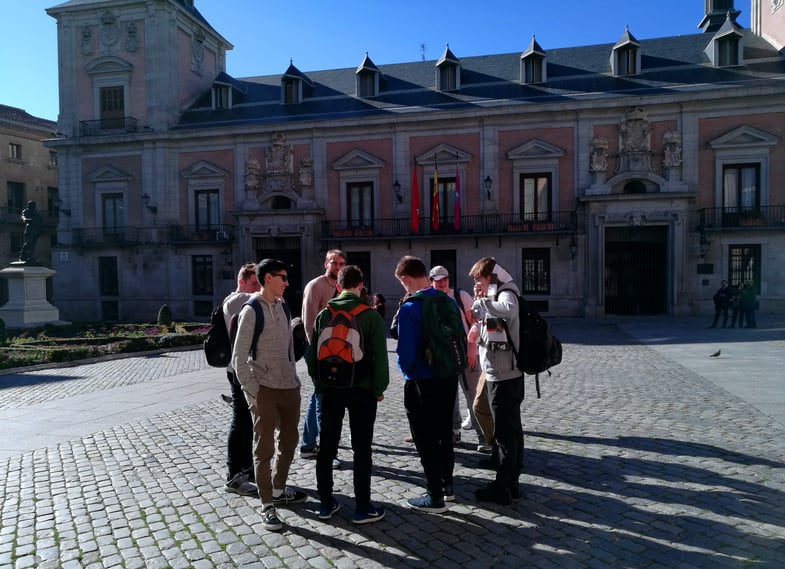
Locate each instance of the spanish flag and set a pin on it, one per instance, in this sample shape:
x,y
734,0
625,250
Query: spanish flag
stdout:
x,y
415,212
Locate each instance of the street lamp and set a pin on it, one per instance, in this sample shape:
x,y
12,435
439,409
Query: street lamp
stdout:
x,y
146,201
488,183
397,189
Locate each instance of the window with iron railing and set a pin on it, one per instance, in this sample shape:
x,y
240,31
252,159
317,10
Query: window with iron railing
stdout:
x,y
535,197
108,281
113,212
359,202
536,270
202,274
744,264
112,100
741,187
206,210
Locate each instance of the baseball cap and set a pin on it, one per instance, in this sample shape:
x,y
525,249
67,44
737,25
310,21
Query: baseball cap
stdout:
x,y
438,272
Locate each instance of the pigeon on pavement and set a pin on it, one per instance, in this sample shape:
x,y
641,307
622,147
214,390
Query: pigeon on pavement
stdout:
x,y
716,354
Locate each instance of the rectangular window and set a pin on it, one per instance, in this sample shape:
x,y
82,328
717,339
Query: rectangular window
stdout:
x,y
741,187
359,201
113,212
51,201
744,265
207,210
626,60
14,151
202,275
532,66
366,84
536,271
536,197
53,159
448,77
291,91
108,281
446,202
221,97
728,49
16,197
112,108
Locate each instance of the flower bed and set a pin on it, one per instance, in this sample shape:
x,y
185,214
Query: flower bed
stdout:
x,y
77,342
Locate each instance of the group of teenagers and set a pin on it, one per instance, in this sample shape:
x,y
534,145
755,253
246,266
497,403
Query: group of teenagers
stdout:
x,y
740,299
264,435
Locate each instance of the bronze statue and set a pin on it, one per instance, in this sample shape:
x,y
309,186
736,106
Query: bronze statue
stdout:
x,y
33,228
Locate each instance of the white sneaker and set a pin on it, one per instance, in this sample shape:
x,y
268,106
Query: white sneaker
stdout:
x,y
467,424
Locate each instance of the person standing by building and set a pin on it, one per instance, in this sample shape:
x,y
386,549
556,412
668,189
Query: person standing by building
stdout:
x,y
429,398
749,299
271,389
737,313
496,308
315,296
722,300
360,400
439,277
239,452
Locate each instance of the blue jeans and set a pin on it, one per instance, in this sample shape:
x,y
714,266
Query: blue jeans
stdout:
x,y
313,416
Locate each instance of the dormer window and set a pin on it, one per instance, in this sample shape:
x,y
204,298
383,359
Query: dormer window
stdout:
x,y
533,66
448,72
367,78
222,97
292,85
626,56
726,47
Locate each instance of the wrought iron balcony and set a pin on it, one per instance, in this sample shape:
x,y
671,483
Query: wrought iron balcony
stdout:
x,y
120,236
116,125
772,216
470,225
196,234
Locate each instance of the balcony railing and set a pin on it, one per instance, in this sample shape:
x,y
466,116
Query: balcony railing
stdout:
x,y
770,216
119,236
108,126
474,225
184,234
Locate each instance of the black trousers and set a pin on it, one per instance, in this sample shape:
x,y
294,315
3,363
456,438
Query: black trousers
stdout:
x,y
505,398
361,405
429,404
239,448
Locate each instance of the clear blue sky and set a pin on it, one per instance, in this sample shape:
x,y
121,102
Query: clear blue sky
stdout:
x,y
319,34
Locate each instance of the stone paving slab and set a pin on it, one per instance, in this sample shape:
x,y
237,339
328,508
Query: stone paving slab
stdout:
x,y
632,460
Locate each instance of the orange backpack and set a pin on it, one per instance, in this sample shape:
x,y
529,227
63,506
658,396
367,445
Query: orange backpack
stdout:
x,y
340,347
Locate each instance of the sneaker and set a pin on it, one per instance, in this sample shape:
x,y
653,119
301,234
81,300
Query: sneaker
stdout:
x,y
449,494
426,503
485,449
239,484
492,494
371,515
309,452
289,496
409,439
270,519
467,423
327,511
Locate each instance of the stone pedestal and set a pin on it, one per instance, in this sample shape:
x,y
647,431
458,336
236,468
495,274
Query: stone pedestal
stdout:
x,y
27,305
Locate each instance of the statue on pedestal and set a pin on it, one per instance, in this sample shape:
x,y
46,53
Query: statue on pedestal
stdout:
x,y
33,230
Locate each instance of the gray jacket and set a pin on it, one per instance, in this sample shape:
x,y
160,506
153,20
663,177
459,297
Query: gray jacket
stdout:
x,y
496,356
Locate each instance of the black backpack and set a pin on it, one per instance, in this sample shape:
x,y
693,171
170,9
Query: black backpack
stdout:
x,y
540,349
217,345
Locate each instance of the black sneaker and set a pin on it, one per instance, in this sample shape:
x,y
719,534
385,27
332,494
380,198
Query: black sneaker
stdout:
x,y
239,484
270,519
327,511
491,493
449,494
309,452
290,496
371,515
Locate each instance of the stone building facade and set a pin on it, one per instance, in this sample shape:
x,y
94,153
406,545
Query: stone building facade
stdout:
x,y
622,178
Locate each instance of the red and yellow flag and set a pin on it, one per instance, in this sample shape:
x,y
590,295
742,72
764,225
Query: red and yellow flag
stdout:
x,y
415,212
435,200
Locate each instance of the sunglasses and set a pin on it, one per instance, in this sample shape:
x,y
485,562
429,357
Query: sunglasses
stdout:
x,y
284,277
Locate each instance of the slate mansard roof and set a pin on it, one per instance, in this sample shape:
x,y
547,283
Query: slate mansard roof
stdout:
x,y
668,65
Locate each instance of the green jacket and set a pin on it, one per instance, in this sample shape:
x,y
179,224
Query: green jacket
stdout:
x,y
377,376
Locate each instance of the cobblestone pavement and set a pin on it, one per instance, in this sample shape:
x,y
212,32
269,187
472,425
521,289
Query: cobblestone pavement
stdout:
x,y
632,460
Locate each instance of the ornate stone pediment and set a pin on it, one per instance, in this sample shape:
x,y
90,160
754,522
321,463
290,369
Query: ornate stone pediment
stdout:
x,y
357,159
535,149
107,173
744,136
444,153
204,169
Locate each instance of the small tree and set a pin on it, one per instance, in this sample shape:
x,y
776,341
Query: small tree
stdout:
x,y
165,316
